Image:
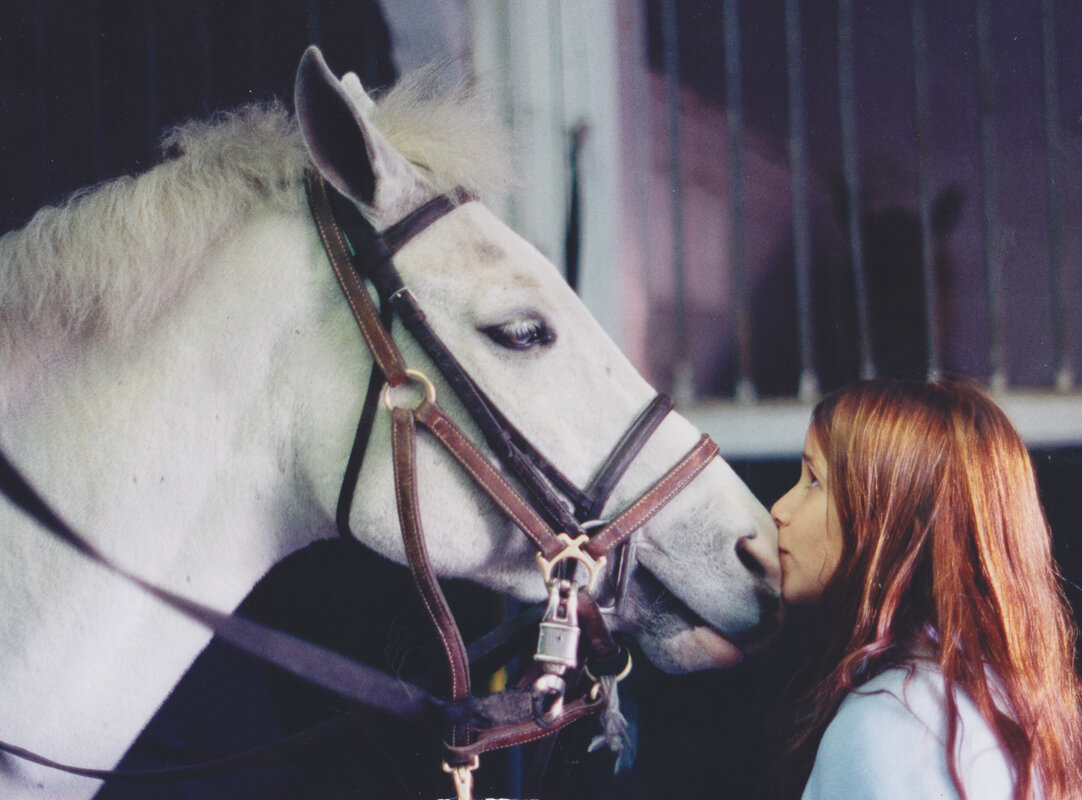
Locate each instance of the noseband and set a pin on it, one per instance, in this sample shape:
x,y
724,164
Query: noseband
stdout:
x,y
560,519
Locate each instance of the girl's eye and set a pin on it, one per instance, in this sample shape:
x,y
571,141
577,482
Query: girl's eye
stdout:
x,y
520,334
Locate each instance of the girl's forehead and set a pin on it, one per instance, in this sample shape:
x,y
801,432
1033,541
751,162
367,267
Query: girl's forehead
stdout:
x,y
813,453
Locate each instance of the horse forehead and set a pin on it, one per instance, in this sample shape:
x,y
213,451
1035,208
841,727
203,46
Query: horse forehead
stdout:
x,y
485,241
473,249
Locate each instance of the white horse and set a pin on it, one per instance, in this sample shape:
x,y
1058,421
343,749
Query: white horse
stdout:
x,y
182,376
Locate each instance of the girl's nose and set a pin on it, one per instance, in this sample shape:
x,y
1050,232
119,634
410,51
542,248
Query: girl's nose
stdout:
x,y
779,511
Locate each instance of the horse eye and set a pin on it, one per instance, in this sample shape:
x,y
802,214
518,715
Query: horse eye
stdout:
x,y
521,334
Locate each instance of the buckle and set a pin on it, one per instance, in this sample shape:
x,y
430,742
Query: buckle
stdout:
x,y
573,550
462,776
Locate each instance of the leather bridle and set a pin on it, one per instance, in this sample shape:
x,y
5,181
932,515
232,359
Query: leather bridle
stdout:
x,y
554,513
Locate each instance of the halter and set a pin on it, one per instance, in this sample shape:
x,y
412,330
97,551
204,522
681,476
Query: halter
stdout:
x,y
358,253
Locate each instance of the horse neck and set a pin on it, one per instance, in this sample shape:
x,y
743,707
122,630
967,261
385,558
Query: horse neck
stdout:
x,y
171,453
198,405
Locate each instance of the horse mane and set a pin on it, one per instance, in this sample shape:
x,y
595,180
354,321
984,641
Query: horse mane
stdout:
x,y
105,262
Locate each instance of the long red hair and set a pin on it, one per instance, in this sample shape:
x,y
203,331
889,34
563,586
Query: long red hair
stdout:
x,y
946,551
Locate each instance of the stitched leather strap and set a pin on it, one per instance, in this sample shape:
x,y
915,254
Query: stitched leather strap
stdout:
x,y
520,459
658,496
598,636
512,734
404,448
488,478
383,349
621,456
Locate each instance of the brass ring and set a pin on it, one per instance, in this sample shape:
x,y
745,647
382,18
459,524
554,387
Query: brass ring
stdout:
x,y
595,690
416,376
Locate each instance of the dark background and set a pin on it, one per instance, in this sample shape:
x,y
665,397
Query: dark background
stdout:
x,y
85,89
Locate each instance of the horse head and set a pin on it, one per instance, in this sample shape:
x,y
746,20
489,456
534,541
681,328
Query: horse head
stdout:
x,y
704,578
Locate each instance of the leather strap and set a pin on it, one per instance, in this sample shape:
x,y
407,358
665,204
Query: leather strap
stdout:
x,y
658,496
357,452
383,349
621,456
211,768
316,664
499,435
404,445
488,478
598,636
392,239
512,734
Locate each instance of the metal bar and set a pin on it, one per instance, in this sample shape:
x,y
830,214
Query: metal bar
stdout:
x,y
992,253
776,429
1064,373
798,188
851,173
734,117
923,114
683,378
574,136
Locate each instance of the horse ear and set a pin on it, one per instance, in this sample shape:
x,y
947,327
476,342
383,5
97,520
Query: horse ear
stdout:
x,y
349,152
352,84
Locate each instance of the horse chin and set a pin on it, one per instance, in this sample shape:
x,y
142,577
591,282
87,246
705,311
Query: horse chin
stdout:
x,y
675,638
691,650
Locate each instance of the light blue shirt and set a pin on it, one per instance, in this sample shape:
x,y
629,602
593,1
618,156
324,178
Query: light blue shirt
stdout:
x,y
888,742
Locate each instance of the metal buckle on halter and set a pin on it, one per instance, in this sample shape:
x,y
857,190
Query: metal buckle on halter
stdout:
x,y
558,635
620,578
596,689
573,550
557,649
462,776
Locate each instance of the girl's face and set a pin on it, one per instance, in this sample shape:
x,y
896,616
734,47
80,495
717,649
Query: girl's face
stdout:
x,y
809,533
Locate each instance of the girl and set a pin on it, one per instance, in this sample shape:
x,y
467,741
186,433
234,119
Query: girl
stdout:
x,y
947,665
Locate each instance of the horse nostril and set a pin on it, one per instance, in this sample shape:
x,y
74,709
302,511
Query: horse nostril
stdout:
x,y
750,561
